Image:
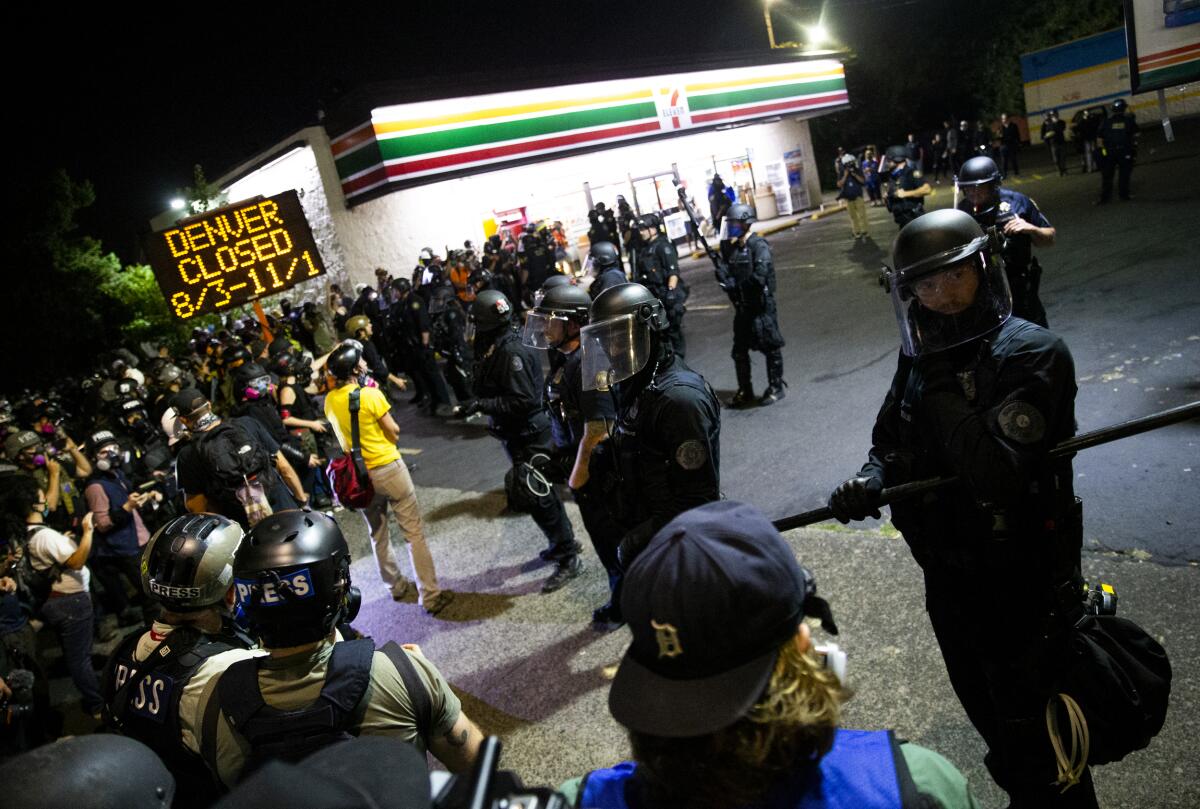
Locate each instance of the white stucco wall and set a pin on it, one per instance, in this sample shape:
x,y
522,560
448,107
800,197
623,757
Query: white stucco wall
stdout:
x,y
301,169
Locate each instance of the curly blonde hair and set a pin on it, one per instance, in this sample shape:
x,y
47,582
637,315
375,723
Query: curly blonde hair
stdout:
x,y
793,722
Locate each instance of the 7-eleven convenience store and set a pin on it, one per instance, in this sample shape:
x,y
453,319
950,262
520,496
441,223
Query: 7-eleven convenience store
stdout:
x,y
382,180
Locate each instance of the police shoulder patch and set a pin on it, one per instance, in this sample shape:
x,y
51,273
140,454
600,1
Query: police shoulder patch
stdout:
x,y
517,363
691,455
1022,422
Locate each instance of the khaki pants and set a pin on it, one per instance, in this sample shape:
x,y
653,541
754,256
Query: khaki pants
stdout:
x,y
858,216
394,487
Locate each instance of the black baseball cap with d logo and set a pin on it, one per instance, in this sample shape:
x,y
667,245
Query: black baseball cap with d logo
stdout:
x,y
710,602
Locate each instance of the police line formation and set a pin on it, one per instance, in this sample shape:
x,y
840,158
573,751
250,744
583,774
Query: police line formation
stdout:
x,y
198,502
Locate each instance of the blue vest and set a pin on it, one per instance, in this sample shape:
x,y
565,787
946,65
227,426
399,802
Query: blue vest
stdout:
x,y
123,540
860,772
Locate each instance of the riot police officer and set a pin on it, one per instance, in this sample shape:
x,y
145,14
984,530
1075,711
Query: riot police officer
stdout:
x,y
449,324
605,261
664,456
418,330
657,269
747,274
579,419
1022,224
508,382
1117,140
537,260
154,679
292,584
983,396
906,190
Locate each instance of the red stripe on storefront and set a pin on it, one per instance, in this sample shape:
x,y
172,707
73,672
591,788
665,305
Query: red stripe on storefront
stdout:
x,y
1150,57
778,106
515,149
358,183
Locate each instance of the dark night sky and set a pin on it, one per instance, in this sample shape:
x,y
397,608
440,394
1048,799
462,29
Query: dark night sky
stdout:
x,y
132,107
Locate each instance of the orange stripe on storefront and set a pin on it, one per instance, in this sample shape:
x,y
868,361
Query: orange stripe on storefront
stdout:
x,y
348,142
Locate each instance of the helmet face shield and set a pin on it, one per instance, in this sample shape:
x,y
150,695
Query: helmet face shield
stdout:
x,y
613,350
544,329
950,303
984,197
733,229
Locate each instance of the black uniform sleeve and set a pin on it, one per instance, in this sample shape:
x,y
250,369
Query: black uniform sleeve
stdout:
x,y
997,452
889,461
688,427
518,378
763,265
668,258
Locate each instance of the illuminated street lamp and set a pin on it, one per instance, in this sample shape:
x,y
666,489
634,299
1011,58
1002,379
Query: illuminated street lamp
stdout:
x,y
817,34
178,204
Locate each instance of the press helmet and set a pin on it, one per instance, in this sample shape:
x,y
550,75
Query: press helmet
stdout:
x,y
292,578
188,563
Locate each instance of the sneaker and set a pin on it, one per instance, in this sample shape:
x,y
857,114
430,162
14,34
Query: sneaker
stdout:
x,y
557,553
567,569
743,398
773,393
438,603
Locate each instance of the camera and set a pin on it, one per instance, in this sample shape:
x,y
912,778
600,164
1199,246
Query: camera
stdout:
x,y
1100,600
491,788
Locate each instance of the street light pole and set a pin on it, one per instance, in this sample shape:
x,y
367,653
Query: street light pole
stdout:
x,y
767,20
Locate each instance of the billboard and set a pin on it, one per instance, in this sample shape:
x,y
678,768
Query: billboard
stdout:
x,y
234,254
406,144
1163,39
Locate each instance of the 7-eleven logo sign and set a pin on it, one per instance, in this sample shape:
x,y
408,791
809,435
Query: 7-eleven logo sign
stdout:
x,y
672,108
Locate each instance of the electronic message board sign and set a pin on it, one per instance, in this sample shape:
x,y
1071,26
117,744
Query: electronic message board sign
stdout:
x,y
233,255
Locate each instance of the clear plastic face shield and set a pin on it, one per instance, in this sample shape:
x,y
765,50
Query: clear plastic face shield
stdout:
x,y
613,350
983,198
589,272
545,329
733,229
949,304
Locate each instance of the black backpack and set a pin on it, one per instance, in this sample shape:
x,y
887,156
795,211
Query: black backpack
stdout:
x,y
231,456
36,583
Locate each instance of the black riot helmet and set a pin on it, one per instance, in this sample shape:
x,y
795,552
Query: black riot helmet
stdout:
x,y
100,769
947,282
292,578
546,325
403,286
343,361
604,255
618,340
737,221
553,280
480,279
651,221
979,181
1119,106
896,154
491,310
188,563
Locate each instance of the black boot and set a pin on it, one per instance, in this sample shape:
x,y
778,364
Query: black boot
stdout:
x,y
776,386
745,393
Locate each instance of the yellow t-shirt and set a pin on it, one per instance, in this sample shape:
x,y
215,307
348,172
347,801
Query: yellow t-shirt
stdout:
x,y
372,406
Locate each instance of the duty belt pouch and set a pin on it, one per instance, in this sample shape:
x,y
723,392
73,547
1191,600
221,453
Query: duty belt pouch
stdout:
x,y
1113,676
766,332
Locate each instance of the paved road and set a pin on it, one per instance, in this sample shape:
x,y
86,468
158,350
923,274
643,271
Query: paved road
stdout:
x,y
1122,286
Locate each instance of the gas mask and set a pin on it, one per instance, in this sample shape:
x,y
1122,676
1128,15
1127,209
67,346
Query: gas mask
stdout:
x,y
258,388
111,458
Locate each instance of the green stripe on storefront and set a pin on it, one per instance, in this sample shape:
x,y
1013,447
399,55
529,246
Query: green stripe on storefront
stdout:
x,y
359,160
1175,74
735,98
481,134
